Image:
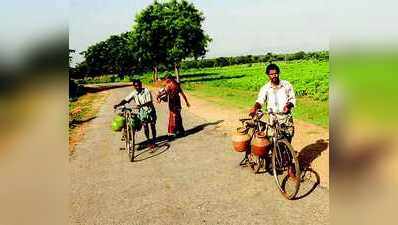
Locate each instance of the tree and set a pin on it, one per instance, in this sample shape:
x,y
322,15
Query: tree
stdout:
x,y
96,57
299,55
122,55
71,69
268,57
79,71
71,51
169,32
255,59
116,55
187,38
221,61
231,61
149,34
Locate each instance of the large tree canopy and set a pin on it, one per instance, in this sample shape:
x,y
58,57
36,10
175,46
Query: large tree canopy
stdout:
x,y
116,55
163,34
168,32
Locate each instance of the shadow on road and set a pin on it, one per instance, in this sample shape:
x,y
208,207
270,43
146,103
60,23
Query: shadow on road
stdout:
x,y
201,127
310,179
74,122
163,142
191,131
310,152
145,154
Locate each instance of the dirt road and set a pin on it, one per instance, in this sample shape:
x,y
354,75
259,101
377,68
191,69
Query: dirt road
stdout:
x,y
196,180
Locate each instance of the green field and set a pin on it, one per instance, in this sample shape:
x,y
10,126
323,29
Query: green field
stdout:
x,y
237,86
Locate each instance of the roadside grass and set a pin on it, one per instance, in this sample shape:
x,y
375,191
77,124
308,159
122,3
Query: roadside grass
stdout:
x,y
84,109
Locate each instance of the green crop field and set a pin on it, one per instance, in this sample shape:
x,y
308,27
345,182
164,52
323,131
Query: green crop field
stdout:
x,y
309,78
237,86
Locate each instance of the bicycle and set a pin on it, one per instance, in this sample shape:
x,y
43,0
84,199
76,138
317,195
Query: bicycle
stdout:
x,y
283,157
128,131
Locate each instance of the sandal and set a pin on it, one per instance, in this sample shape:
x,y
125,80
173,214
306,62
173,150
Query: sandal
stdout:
x,y
152,147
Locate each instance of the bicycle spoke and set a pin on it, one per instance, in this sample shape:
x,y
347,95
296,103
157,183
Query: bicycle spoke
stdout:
x,y
286,169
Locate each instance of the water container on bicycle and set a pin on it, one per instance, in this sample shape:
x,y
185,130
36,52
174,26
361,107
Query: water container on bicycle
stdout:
x,y
118,123
260,144
241,140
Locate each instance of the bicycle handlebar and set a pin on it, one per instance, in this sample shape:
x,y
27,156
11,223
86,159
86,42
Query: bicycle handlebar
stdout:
x,y
124,108
257,118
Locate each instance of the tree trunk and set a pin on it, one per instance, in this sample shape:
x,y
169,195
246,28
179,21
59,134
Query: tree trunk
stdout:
x,y
156,74
177,72
153,74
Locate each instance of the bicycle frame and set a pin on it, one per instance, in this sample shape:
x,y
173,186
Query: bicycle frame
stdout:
x,y
255,124
259,125
277,133
127,113
129,131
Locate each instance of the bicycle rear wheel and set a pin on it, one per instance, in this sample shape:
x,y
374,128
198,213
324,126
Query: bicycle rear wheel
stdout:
x,y
286,169
256,163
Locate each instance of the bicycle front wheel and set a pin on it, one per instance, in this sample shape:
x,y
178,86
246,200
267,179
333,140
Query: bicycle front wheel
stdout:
x,y
132,146
286,169
128,140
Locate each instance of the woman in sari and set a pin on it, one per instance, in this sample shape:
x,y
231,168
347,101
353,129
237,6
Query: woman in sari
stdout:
x,y
171,93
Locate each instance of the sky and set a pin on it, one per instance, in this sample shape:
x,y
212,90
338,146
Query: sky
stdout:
x,y
237,27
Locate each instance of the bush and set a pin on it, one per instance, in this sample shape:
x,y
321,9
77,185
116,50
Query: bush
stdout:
x,y
238,60
75,90
127,79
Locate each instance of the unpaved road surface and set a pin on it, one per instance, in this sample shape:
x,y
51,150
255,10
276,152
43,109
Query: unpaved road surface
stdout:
x,y
196,180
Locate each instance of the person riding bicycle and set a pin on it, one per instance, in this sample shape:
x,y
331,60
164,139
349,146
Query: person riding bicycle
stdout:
x,y
280,99
147,114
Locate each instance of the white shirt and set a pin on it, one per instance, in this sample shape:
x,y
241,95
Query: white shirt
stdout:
x,y
276,97
141,98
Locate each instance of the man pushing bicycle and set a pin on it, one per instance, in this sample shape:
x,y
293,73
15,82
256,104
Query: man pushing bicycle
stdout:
x,y
146,110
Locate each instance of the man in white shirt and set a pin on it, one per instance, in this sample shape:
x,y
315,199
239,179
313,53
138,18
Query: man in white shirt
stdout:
x,y
279,97
147,114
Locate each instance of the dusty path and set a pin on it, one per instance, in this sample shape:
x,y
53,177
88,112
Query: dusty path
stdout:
x,y
195,181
